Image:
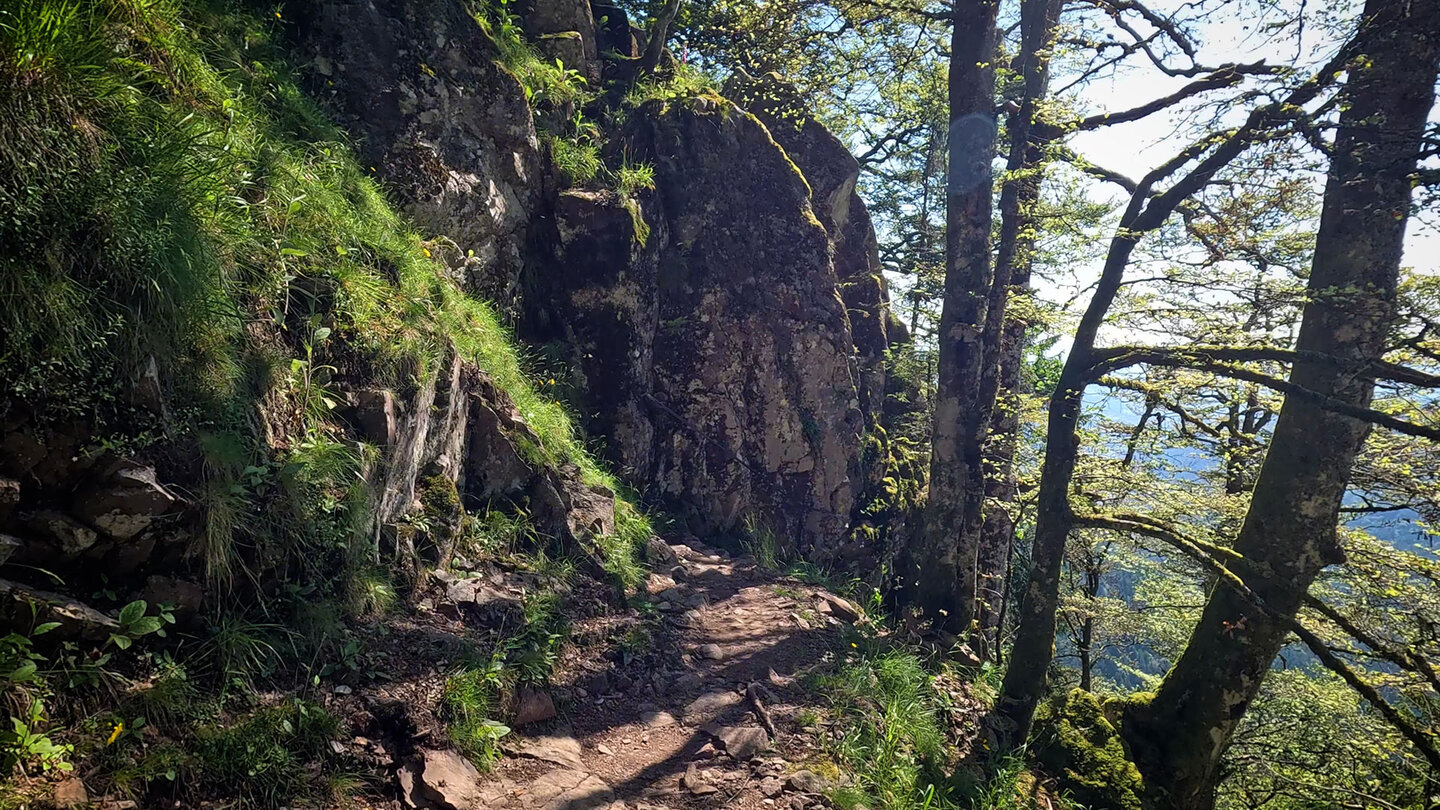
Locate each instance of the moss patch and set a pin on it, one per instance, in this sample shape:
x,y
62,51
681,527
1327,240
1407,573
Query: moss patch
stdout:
x,y
1082,750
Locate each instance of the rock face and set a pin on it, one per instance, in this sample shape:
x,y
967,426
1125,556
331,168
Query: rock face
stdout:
x,y
832,173
564,30
461,434
706,330
446,128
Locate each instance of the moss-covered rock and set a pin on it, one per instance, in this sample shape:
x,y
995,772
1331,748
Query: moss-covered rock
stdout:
x,y
1076,744
439,120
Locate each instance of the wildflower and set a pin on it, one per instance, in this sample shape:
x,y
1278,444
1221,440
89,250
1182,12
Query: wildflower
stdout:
x,y
115,733
278,17
427,252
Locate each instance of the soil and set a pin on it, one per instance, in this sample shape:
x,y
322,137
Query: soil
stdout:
x,y
703,697
655,734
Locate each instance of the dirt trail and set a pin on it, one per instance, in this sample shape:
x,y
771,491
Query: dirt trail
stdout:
x,y
686,727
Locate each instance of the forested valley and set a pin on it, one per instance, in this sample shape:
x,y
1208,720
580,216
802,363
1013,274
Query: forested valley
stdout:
x,y
688,404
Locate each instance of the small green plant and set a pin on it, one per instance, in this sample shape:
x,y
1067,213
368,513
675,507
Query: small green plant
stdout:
x,y
578,160
891,736
241,650
682,82
18,658
135,624
263,758
760,542
546,82
310,380
631,179
371,594
26,742
497,532
534,651
636,641
469,698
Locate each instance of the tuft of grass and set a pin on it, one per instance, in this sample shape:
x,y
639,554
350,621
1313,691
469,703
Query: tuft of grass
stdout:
x,y
239,650
623,553
534,650
761,543
633,178
682,82
495,531
263,759
892,738
372,594
578,160
470,698
546,82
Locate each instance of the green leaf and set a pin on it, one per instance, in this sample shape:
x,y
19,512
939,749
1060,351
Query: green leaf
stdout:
x,y
23,673
321,333
132,612
145,626
44,628
292,252
123,642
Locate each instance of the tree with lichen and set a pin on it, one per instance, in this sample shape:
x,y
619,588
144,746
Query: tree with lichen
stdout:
x,y
1289,531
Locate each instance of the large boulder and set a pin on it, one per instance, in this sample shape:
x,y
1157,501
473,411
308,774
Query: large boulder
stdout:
x,y
705,328
439,121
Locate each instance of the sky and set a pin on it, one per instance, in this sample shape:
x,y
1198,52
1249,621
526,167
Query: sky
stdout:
x,y
1140,146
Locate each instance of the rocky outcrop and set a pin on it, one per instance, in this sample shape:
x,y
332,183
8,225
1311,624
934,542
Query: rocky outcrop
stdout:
x,y
446,129
706,331
832,173
461,443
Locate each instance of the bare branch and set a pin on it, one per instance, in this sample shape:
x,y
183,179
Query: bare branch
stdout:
x,y
1224,76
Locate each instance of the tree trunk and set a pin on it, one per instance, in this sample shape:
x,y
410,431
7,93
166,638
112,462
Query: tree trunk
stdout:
x,y
659,33
1289,533
1004,335
945,563
1034,645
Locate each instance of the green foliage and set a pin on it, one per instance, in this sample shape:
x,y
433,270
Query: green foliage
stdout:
x,y
1075,743
577,160
187,188
496,531
468,702
262,759
761,543
678,84
534,650
891,734
134,624
545,82
633,178
27,742
622,553
372,594
239,650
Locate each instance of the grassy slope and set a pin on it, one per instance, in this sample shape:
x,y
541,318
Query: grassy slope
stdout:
x,y
168,192
173,194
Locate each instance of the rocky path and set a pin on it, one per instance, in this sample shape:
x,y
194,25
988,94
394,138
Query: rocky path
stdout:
x,y
715,716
